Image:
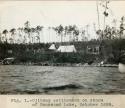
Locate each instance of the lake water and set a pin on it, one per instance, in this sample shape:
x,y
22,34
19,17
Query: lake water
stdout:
x,y
18,79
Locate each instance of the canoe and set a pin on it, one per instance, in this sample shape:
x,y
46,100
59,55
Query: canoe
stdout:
x,y
121,67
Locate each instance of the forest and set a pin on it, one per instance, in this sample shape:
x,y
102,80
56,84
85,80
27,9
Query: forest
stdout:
x,y
24,44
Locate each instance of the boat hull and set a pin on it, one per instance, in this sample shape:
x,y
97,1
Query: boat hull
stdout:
x,y
121,68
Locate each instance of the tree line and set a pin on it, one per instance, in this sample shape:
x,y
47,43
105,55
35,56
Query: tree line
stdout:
x,y
72,33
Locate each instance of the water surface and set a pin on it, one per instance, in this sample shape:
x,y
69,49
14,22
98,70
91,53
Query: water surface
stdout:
x,y
18,79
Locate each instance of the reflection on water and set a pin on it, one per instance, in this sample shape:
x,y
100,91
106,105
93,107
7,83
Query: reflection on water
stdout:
x,y
60,80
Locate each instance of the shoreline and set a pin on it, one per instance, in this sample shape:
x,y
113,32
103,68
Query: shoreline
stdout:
x,y
65,64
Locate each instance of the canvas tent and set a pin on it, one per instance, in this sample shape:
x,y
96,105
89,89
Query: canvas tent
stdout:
x,y
67,48
52,47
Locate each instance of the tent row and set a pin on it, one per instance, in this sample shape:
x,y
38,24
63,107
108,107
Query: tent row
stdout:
x,y
63,48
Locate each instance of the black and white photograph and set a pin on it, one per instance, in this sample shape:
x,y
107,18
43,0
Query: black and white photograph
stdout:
x,y
62,47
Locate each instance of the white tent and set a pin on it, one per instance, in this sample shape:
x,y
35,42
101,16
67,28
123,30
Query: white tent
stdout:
x,y
52,47
67,48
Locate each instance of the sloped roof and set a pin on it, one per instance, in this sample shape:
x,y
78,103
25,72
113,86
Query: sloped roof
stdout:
x,y
52,47
67,48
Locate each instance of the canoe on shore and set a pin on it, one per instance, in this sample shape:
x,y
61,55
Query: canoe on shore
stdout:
x,y
121,68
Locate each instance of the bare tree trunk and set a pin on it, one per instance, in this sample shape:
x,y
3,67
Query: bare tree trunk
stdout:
x,y
98,14
6,38
61,38
104,15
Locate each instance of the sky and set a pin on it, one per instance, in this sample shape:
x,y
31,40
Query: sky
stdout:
x,y
14,14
